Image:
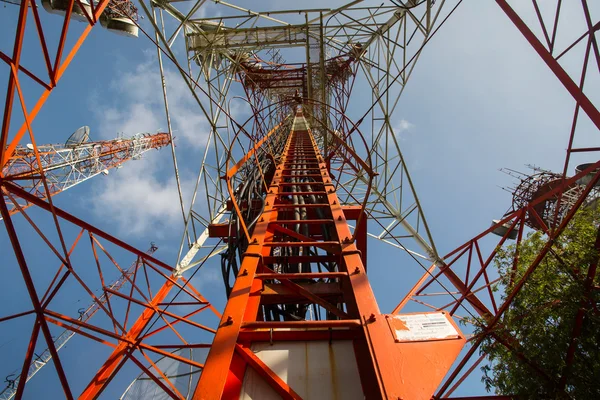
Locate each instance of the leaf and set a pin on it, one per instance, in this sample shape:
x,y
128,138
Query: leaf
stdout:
x,y
539,322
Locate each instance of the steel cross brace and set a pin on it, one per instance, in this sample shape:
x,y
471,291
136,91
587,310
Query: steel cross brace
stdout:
x,y
358,319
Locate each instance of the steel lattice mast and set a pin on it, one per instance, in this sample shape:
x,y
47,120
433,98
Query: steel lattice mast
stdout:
x,y
380,45
61,340
294,268
65,166
301,315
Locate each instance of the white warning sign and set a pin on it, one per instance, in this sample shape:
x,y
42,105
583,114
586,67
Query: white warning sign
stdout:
x,y
417,327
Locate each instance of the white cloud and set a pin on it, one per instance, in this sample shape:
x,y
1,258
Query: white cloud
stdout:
x,y
404,125
138,106
402,128
137,199
142,197
136,118
208,277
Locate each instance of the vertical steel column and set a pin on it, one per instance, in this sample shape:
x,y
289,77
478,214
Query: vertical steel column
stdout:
x,y
584,102
343,291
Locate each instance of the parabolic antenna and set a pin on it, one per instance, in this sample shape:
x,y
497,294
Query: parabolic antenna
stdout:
x,y
60,7
588,178
78,137
120,25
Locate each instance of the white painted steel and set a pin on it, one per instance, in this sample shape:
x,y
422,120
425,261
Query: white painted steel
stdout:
x,y
315,370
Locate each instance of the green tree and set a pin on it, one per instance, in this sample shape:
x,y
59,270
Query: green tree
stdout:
x,y
539,322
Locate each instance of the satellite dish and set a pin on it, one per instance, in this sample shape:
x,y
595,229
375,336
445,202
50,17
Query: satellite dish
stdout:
x,y
105,172
587,178
120,25
60,7
501,230
78,137
29,146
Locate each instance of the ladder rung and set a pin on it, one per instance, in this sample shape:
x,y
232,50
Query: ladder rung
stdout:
x,y
301,275
301,221
299,259
301,205
302,176
299,183
349,323
302,244
321,192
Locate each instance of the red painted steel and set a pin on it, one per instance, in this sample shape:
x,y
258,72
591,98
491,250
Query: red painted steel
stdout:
x,y
381,360
355,317
575,90
472,285
62,167
54,74
129,340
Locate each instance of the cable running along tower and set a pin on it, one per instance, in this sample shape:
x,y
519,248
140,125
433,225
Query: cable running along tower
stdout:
x,y
301,168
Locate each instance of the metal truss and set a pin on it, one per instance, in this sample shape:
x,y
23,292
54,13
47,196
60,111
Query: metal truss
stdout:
x,y
157,314
146,309
85,314
151,303
65,166
465,284
302,276
379,45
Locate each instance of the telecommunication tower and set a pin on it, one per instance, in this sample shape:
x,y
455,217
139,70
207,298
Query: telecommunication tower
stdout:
x,y
61,340
64,166
287,196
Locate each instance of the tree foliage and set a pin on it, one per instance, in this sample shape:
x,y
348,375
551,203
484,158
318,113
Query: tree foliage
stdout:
x,y
539,322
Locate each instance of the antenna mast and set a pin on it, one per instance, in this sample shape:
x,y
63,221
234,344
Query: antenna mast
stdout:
x,y
288,195
65,166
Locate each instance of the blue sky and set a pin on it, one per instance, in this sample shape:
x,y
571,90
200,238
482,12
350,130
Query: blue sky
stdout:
x,y
479,99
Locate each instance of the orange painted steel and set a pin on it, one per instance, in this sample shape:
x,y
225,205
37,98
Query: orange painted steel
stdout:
x,y
359,320
111,152
380,360
55,72
124,341
117,359
59,163
238,165
282,388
